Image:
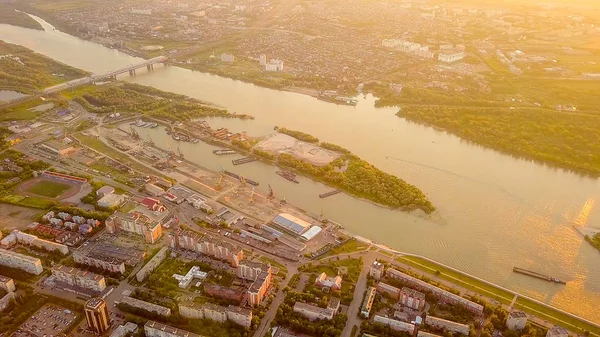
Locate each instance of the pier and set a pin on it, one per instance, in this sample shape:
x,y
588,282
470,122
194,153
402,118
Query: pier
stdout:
x,y
330,193
244,160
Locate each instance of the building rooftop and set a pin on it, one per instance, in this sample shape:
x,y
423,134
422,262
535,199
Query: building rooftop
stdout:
x,y
19,256
94,303
4,279
105,190
413,293
517,314
78,272
313,308
291,223
169,329
557,331
311,233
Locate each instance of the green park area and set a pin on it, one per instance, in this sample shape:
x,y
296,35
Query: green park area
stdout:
x,y
542,311
33,202
48,188
350,246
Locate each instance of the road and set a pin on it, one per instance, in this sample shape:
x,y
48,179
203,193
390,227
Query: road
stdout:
x,y
357,299
265,322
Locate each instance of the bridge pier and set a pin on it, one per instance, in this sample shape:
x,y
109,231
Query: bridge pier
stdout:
x,y
132,72
150,67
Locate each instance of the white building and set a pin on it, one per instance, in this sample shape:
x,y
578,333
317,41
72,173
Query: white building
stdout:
x,y
7,284
193,273
451,57
156,329
516,320
238,315
395,324
313,312
274,65
447,325
376,270
111,200
80,278
26,263
262,59
31,240
124,330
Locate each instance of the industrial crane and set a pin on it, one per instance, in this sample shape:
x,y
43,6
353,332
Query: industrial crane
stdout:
x,y
252,196
271,194
219,183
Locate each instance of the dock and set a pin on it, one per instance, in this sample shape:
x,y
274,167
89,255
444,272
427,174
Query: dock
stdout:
x,y
538,275
221,152
240,178
243,160
330,193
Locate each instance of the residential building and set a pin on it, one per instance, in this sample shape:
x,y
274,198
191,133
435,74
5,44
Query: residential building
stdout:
x,y
516,320
124,330
448,325
141,220
376,270
7,284
395,324
193,273
412,298
238,315
80,278
111,200
152,264
154,190
385,288
104,262
557,331
443,295
220,291
258,289
6,300
26,263
156,329
184,239
365,310
313,312
96,314
426,334
333,283
249,270
220,250
31,240
150,307
262,59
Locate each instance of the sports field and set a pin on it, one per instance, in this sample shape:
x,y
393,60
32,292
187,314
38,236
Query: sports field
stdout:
x,y
48,188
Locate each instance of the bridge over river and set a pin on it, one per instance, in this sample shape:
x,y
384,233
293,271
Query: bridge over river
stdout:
x,y
149,64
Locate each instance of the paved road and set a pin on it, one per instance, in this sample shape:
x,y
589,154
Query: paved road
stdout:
x,y
361,287
265,322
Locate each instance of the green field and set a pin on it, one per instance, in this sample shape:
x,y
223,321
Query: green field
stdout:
x,y
48,188
32,202
350,246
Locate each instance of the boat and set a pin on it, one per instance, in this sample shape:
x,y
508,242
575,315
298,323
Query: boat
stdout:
x,y
233,175
328,194
243,160
153,125
538,275
224,151
291,176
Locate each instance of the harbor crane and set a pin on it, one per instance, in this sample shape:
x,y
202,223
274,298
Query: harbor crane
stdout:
x,y
180,153
271,194
219,183
252,196
134,133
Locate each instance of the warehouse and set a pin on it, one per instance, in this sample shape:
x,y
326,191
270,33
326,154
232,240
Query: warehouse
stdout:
x,y
291,223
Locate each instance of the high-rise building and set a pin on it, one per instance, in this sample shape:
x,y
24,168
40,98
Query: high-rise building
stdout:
x,y
376,271
96,314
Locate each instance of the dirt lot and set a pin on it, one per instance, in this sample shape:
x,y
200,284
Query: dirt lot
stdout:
x,y
16,217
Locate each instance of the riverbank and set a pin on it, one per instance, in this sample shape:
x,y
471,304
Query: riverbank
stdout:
x,y
10,16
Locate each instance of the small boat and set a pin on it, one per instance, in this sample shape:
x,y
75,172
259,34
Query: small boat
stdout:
x,y
291,176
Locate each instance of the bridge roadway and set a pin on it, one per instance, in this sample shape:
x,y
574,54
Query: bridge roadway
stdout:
x,y
149,64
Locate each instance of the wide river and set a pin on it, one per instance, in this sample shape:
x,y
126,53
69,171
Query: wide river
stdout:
x,y
494,211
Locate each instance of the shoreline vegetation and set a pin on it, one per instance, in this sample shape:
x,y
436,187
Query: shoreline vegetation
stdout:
x,y
9,16
594,240
352,175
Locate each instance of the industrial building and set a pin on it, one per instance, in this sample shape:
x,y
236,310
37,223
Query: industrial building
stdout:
x,y
57,148
29,264
80,278
394,324
150,307
156,329
96,315
376,270
365,310
7,284
238,315
88,258
385,288
31,240
311,233
412,298
291,224
313,312
154,262
447,325
516,320
443,295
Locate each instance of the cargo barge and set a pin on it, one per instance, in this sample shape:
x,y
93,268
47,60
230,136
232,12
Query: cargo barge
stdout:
x,y
243,160
224,151
330,193
233,175
537,275
291,176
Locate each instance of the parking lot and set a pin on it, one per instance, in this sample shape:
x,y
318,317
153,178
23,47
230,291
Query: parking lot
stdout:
x,y
50,320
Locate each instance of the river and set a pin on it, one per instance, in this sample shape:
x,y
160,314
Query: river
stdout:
x,y
494,211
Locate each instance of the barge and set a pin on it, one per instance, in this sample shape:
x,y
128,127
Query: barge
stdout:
x,y
538,275
291,176
224,151
243,160
330,193
233,175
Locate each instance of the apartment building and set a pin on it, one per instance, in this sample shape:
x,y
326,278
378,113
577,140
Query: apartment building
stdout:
x,y
395,324
6,300
412,298
141,221
443,295
384,288
516,320
156,329
557,331
365,310
109,264
31,240
96,314
150,307
216,290
185,240
220,250
7,284
152,264
447,325
313,312
376,270
80,278
238,315
26,263
260,273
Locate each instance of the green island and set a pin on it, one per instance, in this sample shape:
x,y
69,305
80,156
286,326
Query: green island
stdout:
x,y
594,240
355,176
10,16
26,71
566,140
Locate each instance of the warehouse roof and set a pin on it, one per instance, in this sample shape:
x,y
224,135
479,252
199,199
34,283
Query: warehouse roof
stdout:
x,y
291,223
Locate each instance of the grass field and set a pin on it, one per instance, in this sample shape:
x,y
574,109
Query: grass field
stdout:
x,y
500,295
32,202
48,188
347,247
